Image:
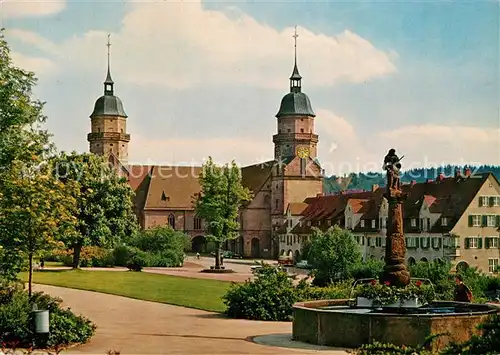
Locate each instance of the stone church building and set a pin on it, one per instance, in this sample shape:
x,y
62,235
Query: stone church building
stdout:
x,y
164,194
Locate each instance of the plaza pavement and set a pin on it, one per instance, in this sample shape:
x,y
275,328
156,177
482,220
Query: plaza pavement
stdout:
x,y
140,327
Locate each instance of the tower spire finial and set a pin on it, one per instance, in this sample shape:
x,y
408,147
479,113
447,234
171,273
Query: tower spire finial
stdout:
x,y
108,84
109,47
295,35
295,78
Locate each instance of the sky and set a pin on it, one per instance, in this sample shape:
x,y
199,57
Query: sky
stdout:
x,y
200,78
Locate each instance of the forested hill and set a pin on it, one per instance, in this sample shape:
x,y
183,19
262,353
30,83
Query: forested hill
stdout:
x,y
364,181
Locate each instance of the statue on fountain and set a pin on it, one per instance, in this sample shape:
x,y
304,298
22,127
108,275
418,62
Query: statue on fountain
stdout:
x,y
395,272
392,165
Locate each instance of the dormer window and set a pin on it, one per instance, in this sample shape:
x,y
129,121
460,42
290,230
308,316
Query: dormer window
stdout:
x,y
413,222
362,223
373,223
444,221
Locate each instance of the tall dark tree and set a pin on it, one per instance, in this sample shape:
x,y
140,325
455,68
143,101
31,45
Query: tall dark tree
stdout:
x,y
222,195
105,202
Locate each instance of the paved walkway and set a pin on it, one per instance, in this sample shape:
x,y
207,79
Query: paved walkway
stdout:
x,y
139,327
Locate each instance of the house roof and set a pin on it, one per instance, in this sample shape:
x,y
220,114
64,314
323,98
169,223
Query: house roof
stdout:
x,y
448,197
296,208
359,205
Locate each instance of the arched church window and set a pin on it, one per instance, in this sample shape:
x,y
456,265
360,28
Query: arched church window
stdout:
x,y
171,221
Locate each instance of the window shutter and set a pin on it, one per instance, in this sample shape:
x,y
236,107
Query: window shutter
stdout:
x,y
429,242
467,243
491,201
406,241
486,243
498,221
417,242
485,221
480,201
440,242
470,221
479,243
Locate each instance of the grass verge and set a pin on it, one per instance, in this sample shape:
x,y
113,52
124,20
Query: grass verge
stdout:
x,y
180,291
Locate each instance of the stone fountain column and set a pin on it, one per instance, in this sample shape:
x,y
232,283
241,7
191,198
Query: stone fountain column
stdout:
x,y
395,271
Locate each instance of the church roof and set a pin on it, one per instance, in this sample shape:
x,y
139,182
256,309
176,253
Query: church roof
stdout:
x,y
175,187
295,104
108,105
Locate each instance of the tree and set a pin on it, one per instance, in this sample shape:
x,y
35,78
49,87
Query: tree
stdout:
x,y
222,194
21,136
36,209
332,255
24,148
105,212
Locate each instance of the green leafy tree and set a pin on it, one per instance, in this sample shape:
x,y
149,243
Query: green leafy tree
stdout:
x,y
222,194
333,254
105,207
21,118
36,209
32,205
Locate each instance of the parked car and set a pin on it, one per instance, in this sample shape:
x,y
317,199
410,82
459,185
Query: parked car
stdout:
x,y
256,268
227,254
303,264
285,260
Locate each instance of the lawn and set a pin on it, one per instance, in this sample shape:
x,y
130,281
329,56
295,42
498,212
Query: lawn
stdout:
x,y
180,291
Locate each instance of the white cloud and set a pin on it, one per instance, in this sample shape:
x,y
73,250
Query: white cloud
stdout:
x,y
424,145
30,8
180,44
35,64
421,145
244,150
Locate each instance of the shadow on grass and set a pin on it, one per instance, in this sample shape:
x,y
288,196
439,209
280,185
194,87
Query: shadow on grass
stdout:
x,y
53,270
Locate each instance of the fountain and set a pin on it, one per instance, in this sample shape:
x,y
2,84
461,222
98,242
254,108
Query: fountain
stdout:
x,y
352,322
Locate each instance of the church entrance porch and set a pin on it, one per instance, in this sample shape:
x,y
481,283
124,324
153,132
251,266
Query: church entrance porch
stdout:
x,y
255,251
235,245
199,244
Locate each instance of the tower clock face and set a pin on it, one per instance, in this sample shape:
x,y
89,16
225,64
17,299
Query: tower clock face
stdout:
x,y
302,152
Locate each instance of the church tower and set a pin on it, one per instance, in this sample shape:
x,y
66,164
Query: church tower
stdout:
x,y
297,173
108,135
295,121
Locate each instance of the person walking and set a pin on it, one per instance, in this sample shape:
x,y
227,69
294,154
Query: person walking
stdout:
x,y
462,292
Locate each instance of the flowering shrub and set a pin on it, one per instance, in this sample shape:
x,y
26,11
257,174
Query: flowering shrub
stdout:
x,y
90,256
384,294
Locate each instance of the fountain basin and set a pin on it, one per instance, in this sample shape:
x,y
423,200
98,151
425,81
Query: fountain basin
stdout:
x,y
338,323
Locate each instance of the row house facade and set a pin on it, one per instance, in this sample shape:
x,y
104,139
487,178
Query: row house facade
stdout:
x,y
453,219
